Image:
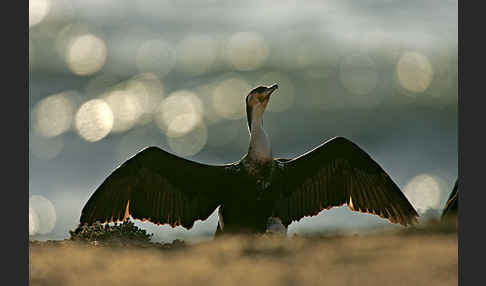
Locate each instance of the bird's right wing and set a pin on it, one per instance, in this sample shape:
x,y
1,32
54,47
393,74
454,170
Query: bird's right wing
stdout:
x,y
157,186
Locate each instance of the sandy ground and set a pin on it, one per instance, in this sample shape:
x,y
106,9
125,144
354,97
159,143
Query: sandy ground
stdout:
x,y
407,257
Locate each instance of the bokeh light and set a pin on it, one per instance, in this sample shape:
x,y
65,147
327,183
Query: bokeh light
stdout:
x,y
190,143
156,56
38,10
86,54
229,98
205,92
179,113
196,61
283,97
182,124
126,109
42,214
33,221
94,120
423,191
149,92
70,32
53,115
358,74
247,51
414,72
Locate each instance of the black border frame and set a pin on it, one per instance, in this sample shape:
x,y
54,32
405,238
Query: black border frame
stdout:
x,y
470,149
15,144
470,111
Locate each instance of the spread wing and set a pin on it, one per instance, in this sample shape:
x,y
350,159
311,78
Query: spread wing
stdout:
x,y
159,187
452,203
334,174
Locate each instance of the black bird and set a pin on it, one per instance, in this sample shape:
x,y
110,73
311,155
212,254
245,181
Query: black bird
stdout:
x,y
162,188
451,206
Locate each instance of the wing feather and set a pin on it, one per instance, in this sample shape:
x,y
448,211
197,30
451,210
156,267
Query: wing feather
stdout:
x,y
334,174
451,207
159,187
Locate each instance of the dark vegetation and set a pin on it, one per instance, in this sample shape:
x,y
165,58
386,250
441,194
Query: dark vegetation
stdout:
x,y
126,231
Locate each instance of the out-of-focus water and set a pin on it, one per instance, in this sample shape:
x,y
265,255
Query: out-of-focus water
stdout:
x,y
107,78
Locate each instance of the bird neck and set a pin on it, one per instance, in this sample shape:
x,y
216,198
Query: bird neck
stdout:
x,y
259,149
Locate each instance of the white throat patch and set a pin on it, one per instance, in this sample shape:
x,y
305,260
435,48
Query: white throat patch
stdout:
x,y
259,149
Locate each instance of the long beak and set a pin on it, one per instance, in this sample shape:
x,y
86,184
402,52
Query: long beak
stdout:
x,y
271,89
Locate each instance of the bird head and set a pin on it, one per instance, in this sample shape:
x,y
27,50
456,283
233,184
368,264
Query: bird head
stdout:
x,y
257,100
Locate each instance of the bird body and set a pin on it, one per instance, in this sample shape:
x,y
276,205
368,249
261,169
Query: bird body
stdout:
x,y
163,188
245,203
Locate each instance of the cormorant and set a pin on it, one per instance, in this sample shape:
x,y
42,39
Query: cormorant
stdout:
x,y
162,188
450,209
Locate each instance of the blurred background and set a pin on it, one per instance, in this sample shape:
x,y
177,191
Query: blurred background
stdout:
x,y
107,78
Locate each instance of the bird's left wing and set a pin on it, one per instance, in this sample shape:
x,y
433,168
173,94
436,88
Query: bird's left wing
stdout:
x,y
334,174
157,186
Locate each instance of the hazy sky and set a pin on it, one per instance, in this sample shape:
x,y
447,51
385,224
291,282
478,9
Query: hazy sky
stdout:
x,y
107,78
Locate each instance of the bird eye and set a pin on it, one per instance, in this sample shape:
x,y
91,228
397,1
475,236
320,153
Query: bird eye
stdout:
x,y
259,89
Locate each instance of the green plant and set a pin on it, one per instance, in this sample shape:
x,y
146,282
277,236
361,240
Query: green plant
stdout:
x,y
120,232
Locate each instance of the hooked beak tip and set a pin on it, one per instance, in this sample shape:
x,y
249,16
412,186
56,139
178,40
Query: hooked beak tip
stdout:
x,y
272,89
